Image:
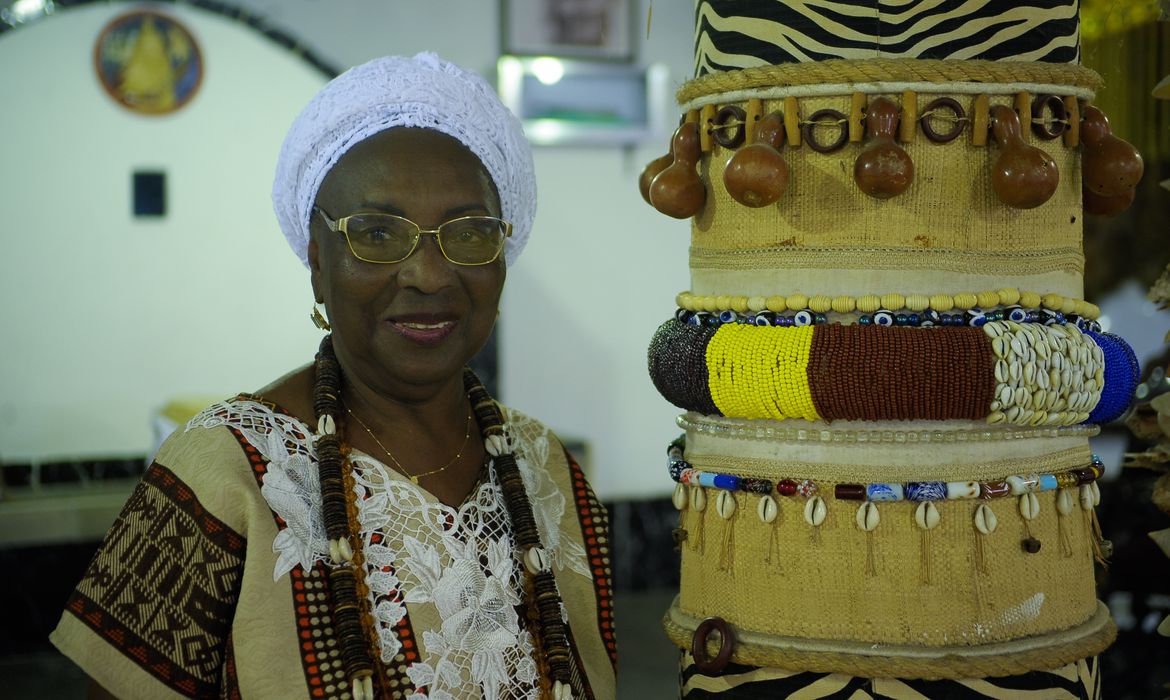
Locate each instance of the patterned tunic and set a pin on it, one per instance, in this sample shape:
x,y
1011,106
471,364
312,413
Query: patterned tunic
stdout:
x,y
213,581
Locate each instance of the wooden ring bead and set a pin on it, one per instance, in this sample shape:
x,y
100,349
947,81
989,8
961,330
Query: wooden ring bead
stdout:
x,y
840,120
1049,130
948,103
729,135
699,645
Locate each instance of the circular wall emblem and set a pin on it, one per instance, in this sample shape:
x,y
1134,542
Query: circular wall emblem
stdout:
x,y
148,62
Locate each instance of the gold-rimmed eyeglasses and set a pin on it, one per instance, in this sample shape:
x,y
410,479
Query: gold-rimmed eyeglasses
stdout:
x,y
386,238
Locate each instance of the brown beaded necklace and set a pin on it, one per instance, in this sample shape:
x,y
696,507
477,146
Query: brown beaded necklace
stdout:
x,y
350,608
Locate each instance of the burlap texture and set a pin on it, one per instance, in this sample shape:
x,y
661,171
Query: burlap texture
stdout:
x,y
817,582
824,236
888,461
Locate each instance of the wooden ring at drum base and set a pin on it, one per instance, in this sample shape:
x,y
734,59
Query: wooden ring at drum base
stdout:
x,y
699,645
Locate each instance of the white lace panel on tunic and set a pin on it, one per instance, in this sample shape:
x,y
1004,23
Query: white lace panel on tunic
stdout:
x,y
419,551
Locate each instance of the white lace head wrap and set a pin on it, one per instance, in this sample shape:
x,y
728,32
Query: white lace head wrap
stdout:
x,y
424,91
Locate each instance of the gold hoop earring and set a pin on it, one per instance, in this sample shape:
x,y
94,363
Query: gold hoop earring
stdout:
x,y
319,319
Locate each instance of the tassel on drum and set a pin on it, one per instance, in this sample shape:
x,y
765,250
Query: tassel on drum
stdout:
x,y
698,505
1064,508
725,507
867,521
927,517
985,524
769,512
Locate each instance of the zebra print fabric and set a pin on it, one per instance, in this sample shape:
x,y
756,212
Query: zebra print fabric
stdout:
x,y
734,34
1076,681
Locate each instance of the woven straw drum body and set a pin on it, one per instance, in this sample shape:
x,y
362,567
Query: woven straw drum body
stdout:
x,y
994,584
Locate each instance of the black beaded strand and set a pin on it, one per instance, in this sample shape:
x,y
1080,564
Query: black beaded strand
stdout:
x,y
552,634
331,464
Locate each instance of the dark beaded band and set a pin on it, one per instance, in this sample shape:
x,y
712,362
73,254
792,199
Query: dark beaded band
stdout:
x,y
677,361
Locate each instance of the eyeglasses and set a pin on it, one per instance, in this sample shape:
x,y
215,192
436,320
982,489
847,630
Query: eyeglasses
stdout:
x,y
386,238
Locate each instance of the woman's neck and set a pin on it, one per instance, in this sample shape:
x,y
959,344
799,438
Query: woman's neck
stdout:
x,y
428,411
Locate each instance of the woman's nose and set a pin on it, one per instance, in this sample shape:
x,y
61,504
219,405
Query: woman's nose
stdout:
x,y
426,269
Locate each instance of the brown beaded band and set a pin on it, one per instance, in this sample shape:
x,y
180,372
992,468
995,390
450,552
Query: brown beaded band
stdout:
x,y
929,376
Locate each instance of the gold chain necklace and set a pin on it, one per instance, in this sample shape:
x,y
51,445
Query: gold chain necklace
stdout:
x,y
402,469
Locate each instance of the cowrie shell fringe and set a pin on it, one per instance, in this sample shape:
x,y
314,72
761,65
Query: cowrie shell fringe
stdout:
x,y
927,516
985,520
767,509
698,499
725,505
867,517
815,511
1029,506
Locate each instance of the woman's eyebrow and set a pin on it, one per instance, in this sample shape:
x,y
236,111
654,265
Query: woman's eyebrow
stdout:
x,y
467,208
381,207
473,207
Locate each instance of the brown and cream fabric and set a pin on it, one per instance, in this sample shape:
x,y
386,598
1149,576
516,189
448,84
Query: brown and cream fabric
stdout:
x,y
213,582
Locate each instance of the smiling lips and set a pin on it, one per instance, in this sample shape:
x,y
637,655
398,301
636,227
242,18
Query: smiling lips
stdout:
x,y
424,329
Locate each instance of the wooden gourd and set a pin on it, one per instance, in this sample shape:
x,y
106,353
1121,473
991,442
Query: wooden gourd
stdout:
x,y
1024,177
677,191
650,172
883,169
757,175
1100,205
1111,167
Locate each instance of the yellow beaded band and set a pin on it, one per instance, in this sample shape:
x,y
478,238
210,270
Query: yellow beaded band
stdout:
x,y
870,303
741,362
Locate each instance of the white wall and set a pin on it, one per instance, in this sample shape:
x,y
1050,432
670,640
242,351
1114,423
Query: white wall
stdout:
x,y
97,334
109,316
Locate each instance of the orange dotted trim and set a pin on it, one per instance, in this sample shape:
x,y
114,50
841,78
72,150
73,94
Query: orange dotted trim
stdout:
x,y
320,651
595,535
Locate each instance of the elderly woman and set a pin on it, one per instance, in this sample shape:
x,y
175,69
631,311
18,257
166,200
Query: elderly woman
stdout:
x,y
371,525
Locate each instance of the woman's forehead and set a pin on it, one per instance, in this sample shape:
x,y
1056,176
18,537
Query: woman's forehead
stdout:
x,y
408,157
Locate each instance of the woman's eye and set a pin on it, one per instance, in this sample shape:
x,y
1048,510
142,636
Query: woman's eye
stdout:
x,y
469,235
376,235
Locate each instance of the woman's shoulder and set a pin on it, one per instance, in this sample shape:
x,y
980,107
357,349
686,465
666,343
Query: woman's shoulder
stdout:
x,y
516,421
243,426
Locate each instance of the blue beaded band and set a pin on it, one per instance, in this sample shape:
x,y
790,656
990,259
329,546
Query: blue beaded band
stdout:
x,y
1122,373
883,317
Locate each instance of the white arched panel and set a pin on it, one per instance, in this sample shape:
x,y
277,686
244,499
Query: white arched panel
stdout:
x,y
109,316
